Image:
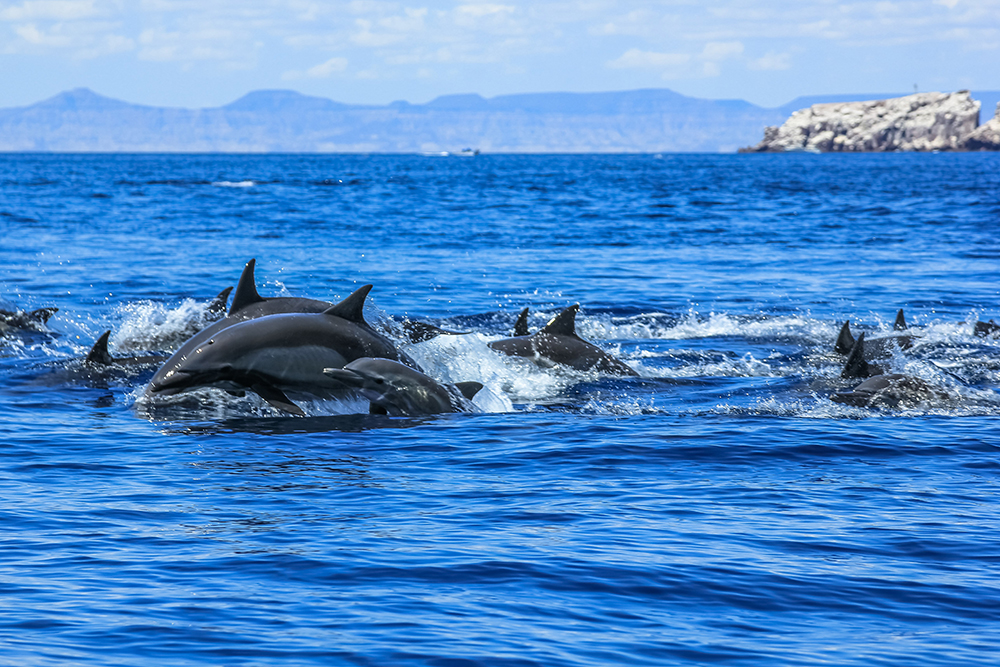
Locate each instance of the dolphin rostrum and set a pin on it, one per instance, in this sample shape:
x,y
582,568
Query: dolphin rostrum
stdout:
x,y
400,391
558,343
280,353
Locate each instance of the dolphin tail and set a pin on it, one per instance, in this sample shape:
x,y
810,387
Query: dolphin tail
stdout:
x,y
563,324
276,397
900,323
218,304
856,366
468,389
352,308
845,341
99,355
246,291
521,325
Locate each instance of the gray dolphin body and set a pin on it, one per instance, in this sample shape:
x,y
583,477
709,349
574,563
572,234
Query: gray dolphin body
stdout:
x,y
880,389
876,348
247,304
275,354
34,320
99,356
400,391
558,343
889,391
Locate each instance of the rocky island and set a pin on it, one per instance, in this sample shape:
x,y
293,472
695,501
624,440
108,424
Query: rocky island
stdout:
x,y
919,122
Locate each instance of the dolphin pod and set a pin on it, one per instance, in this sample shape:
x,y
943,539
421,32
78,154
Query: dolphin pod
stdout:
x,y
398,390
286,349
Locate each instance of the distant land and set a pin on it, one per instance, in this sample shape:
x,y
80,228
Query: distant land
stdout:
x,y
282,121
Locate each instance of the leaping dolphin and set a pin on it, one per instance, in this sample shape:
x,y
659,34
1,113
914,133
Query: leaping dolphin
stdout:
x,y
281,353
558,343
400,391
247,304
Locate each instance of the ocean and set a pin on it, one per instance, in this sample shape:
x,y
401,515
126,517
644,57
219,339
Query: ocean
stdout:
x,y
718,508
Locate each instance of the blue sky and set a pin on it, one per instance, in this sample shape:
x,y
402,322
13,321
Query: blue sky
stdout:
x,y
198,53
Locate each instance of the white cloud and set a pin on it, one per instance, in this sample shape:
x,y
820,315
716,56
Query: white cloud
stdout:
x,y
324,70
51,10
32,35
636,59
716,51
771,61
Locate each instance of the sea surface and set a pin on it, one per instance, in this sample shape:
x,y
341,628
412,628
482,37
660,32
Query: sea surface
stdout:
x,y
719,508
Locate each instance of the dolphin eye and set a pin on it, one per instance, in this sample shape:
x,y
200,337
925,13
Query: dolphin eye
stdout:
x,y
379,381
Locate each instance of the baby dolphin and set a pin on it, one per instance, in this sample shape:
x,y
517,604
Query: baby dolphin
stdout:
x,y
558,343
400,391
281,353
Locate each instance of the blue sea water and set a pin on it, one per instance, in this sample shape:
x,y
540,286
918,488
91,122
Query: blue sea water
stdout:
x,y
717,509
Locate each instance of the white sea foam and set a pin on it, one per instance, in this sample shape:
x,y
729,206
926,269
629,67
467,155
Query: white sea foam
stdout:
x,y
234,184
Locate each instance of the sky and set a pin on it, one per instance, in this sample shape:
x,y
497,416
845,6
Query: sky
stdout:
x,y
205,53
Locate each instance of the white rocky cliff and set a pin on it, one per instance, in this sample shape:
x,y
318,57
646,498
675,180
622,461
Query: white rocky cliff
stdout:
x,y
920,122
986,137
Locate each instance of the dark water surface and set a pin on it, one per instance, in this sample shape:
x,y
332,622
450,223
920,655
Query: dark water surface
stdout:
x,y
717,509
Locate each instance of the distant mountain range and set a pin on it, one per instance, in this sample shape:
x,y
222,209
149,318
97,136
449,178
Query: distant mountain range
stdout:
x,y
637,121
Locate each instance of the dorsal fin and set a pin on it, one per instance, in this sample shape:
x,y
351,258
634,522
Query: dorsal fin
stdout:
x,y
845,341
468,389
900,323
218,304
563,324
856,366
521,325
99,355
246,291
352,308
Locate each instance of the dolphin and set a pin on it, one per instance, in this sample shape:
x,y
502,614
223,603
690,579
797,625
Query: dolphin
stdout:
x,y
876,348
100,356
275,354
857,365
890,391
247,304
558,343
217,307
984,329
415,331
400,391
31,321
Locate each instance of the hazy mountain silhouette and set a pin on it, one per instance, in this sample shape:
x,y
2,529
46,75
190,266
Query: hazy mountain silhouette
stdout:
x,y
651,120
